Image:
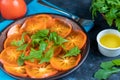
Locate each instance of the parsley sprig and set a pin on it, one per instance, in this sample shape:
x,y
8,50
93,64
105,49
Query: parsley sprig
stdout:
x,y
107,69
109,8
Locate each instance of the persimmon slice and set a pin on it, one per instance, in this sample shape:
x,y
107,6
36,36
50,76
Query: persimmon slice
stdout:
x,y
13,30
62,28
75,38
10,56
41,71
15,37
15,70
65,63
35,23
35,63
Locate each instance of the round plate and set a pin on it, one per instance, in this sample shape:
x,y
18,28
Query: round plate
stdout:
x,y
85,49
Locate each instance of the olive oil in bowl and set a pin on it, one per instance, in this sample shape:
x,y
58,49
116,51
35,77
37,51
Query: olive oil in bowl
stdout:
x,y
110,40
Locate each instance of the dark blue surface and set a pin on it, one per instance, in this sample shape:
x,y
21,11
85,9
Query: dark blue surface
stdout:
x,y
33,8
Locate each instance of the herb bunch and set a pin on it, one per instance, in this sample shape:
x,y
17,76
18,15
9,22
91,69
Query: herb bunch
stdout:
x,y
41,39
110,9
107,69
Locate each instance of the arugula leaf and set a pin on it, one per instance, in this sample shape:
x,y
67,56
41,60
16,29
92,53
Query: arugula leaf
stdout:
x,y
47,56
43,45
73,52
107,69
22,47
104,74
39,36
116,62
58,40
109,8
21,59
34,54
107,65
20,42
117,21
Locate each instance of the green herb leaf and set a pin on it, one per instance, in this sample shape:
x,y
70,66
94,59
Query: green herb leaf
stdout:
x,y
117,21
116,62
107,65
109,8
20,42
73,52
41,33
104,74
39,36
43,45
47,56
34,54
22,47
58,40
21,59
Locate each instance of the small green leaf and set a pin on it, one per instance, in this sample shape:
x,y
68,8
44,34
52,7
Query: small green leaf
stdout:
x,y
47,56
107,65
116,62
58,40
21,59
73,52
20,42
41,33
22,47
39,36
104,74
117,21
43,45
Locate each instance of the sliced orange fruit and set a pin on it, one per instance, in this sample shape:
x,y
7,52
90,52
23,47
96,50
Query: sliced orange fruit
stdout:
x,y
62,28
41,71
15,70
10,56
65,63
44,17
15,37
35,23
13,30
35,63
75,38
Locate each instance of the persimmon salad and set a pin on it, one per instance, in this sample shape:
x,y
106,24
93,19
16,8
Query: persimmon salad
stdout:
x,y
41,47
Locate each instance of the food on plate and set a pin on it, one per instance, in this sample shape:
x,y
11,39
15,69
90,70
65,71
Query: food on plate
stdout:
x,y
35,23
10,56
11,40
13,30
75,38
61,27
64,63
41,48
15,70
42,71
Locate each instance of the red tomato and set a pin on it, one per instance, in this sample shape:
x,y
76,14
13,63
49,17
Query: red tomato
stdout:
x,y
0,5
13,9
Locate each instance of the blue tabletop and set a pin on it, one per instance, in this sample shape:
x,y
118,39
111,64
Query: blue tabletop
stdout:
x,y
33,8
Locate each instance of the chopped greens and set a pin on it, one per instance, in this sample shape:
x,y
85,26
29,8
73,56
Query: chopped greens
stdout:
x,y
58,40
39,42
107,69
109,8
47,56
20,42
72,52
